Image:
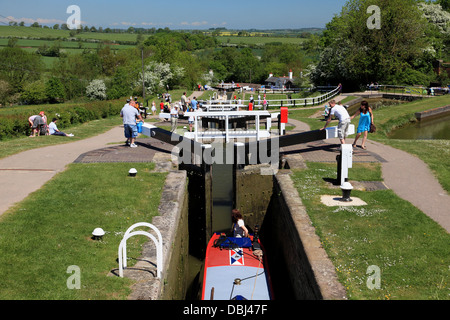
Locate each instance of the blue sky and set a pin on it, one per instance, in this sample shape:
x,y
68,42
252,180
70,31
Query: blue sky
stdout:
x,y
177,14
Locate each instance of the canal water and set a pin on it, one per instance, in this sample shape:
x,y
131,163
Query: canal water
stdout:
x,y
222,199
433,128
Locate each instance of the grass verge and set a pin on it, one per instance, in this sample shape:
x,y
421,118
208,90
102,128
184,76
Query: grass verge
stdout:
x,y
51,230
387,118
410,249
82,131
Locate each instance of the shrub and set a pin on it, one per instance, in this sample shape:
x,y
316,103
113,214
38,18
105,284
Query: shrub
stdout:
x,y
14,121
34,93
54,90
96,90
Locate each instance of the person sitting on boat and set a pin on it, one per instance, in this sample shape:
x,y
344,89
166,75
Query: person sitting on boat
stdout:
x,y
239,229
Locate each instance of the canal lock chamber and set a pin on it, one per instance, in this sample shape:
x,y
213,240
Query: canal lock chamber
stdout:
x,y
269,202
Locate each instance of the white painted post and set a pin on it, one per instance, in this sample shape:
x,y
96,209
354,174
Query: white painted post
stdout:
x,y
226,129
257,127
346,161
196,127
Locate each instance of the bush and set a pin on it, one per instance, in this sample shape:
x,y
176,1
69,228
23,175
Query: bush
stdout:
x,y
409,77
34,93
14,121
96,90
54,90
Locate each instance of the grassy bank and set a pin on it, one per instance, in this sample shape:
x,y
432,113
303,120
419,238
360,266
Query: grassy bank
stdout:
x,y
51,230
82,131
410,249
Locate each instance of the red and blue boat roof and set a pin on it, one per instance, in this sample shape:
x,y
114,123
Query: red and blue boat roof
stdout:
x,y
235,271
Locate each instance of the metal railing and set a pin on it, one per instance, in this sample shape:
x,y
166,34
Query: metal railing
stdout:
x,y
296,102
397,90
123,246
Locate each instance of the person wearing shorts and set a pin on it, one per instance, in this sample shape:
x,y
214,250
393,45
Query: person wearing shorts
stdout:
x,y
344,119
129,115
36,121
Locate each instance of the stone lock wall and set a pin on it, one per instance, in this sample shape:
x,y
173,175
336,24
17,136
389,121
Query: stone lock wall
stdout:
x,y
253,192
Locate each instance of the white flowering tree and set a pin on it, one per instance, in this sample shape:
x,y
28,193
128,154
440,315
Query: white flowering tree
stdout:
x,y
158,75
436,15
96,90
438,31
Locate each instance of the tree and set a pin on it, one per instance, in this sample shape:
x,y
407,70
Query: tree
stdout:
x,y
19,67
120,86
157,76
247,67
34,93
355,54
96,90
12,42
5,92
54,90
438,30
445,4
436,16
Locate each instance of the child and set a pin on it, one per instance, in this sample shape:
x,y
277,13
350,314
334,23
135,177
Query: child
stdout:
x,y
239,229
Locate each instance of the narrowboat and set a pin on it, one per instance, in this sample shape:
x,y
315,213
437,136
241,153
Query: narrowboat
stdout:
x,y
236,269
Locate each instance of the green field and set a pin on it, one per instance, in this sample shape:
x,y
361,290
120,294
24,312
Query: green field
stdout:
x,y
27,43
31,39
28,32
256,40
47,33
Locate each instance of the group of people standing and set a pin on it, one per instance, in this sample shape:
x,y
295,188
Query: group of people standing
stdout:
x,y
185,105
341,113
131,115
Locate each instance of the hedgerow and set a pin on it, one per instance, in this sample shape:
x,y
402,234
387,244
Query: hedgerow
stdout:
x,y
14,121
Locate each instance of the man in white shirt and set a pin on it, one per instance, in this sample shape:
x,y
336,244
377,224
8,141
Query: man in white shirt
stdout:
x,y
344,119
53,129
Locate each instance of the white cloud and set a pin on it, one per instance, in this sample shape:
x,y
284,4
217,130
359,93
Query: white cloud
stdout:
x,y
195,24
41,21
